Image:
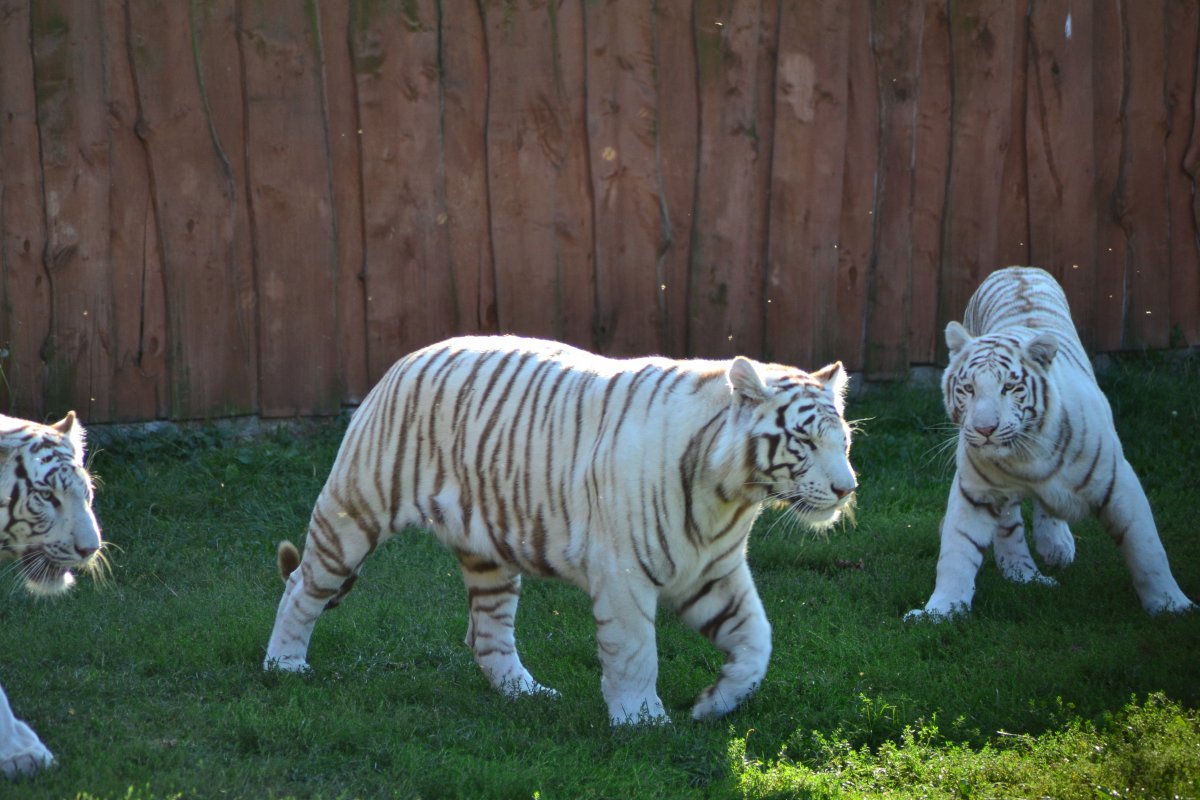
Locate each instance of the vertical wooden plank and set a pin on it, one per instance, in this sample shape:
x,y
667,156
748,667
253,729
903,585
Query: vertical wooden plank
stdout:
x,y
1188,229
291,205
736,47
622,117
73,135
1183,137
350,332
212,347
134,266
676,151
1142,204
1108,75
215,29
1061,153
1012,213
897,30
464,88
930,171
539,187
806,181
410,300
979,236
25,304
858,217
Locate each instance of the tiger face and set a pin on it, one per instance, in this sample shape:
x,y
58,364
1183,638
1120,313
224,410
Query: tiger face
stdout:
x,y
995,388
800,451
46,519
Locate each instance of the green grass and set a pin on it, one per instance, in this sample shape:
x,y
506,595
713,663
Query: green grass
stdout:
x,y
149,686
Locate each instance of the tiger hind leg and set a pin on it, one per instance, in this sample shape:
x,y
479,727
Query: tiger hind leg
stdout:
x,y
492,597
333,554
1052,537
1130,523
730,614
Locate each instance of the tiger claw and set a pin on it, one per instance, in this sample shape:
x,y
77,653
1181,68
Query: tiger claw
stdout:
x,y
294,664
937,615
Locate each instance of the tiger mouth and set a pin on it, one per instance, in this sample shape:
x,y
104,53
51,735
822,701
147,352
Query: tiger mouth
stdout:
x,y
44,576
822,515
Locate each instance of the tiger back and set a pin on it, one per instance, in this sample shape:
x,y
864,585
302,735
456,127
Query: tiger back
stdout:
x,y
1034,424
636,480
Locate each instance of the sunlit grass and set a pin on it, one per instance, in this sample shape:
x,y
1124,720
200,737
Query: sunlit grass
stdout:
x,y
150,686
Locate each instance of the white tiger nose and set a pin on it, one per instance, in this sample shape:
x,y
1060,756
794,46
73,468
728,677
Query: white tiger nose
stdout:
x,y
842,491
985,430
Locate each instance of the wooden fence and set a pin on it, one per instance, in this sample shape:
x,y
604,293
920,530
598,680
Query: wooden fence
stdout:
x,y
253,207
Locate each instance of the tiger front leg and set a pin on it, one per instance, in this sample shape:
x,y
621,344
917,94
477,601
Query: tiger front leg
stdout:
x,y
492,595
624,613
730,614
22,753
1012,550
1130,523
966,534
1053,538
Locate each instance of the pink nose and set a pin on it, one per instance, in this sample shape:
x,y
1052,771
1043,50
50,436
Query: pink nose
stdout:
x,y
85,552
985,431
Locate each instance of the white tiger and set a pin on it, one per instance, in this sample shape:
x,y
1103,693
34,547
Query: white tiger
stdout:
x,y
636,480
47,526
1033,423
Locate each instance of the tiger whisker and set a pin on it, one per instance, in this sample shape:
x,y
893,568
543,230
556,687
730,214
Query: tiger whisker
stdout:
x,y
14,571
942,452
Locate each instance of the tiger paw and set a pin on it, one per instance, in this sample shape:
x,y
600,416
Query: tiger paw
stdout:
x,y
932,613
526,685
1169,603
1023,570
27,762
632,710
711,705
1054,541
286,664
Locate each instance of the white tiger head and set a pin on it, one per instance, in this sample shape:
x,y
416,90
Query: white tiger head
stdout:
x,y
46,519
799,450
995,387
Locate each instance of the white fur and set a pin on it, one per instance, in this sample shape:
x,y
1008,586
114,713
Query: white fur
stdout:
x,y
1070,466
636,480
48,458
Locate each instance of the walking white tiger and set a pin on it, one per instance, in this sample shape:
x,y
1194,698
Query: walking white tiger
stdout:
x,y
1033,423
47,526
637,480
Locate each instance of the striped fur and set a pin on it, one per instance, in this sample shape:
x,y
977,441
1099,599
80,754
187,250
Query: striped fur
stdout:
x,y
636,480
47,527
1033,424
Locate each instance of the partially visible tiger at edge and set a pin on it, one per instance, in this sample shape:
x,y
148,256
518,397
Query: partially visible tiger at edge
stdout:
x,y
47,526
637,480
1034,424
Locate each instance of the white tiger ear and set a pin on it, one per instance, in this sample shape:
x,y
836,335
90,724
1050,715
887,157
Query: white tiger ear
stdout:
x,y
956,337
1042,349
747,384
835,380
69,426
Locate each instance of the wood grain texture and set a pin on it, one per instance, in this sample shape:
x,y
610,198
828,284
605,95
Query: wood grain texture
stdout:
x,y
221,208
25,313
